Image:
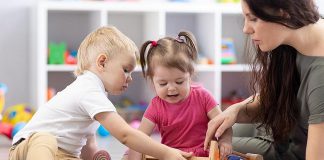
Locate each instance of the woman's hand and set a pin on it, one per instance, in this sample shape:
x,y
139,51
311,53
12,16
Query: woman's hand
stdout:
x,y
221,122
225,149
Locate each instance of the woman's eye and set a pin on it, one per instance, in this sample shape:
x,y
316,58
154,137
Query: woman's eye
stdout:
x,y
253,19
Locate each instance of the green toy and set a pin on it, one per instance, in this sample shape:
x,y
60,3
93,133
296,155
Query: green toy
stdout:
x,y
56,53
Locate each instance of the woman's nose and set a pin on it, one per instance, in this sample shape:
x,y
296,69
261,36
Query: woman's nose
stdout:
x,y
247,29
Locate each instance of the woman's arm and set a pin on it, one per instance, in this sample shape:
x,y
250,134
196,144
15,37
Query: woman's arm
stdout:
x,y
315,142
135,139
247,109
242,112
146,127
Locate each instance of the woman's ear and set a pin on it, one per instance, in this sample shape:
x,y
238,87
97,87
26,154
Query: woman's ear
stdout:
x,y
101,61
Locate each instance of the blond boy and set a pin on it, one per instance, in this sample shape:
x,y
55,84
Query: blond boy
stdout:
x,y
67,123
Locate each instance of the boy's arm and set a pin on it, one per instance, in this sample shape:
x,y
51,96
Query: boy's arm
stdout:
x,y
146,127
90,148
135,139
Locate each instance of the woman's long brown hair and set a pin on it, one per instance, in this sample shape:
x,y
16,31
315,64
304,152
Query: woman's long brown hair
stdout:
x,y
274,74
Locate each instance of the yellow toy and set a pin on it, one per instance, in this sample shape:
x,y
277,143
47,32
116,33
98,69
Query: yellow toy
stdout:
x,y
17,113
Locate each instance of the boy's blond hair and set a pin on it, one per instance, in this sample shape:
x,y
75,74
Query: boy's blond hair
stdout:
x,y
108,40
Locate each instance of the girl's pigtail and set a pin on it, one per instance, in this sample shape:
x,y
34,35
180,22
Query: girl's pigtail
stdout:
x,y
190,40
143,56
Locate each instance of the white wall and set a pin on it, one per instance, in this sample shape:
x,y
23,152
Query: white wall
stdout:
x,y
320,4
14,49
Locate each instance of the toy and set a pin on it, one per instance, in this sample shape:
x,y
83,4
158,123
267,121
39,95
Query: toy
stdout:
x,y
50,93
214,155
6,129
56,53
101,155
70,57
17,113
17,128
102,131
3,90
228,51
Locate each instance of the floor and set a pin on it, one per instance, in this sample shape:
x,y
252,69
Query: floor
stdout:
x,y
112,145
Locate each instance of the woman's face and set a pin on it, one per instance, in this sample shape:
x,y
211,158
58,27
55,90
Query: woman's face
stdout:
x,y
265,35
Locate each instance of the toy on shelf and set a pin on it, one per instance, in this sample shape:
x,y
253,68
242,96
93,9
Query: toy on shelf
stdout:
x,y
70,57
228,51
215,155
59,54
233,97
56,53
204,60
50,93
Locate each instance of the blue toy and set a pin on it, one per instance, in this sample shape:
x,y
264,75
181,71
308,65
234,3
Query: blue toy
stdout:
x,y
17,128
102,131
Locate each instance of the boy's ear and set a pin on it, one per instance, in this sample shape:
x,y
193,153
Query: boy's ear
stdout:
x,y
101,61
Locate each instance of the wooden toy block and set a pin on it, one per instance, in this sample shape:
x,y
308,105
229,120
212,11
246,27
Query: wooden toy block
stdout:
x,y
215,155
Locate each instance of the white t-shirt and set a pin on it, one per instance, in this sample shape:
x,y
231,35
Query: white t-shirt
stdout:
x,y
69,115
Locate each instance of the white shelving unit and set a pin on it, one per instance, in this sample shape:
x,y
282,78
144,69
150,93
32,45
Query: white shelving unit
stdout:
x,y
71,21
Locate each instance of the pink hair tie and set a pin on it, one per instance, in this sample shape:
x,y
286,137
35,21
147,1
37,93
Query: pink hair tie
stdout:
x,y
179,40
154,43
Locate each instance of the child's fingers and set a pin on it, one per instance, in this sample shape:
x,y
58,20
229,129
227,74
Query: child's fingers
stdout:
x,y
186,154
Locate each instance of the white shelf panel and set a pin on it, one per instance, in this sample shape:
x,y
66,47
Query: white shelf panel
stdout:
x,y
231,8
205,68
70,68
60,68
235,68
141,21
142,6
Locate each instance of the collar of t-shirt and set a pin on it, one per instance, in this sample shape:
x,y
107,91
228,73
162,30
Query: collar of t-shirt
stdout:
x,y
96,78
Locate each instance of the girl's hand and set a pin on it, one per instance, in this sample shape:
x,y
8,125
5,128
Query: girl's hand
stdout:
x,y
176,154
220,123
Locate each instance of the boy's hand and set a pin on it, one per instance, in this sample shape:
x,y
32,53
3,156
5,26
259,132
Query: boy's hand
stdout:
x,y
176,154
225,149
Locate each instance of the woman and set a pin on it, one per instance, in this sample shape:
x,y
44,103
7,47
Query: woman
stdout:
x,y
287,81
